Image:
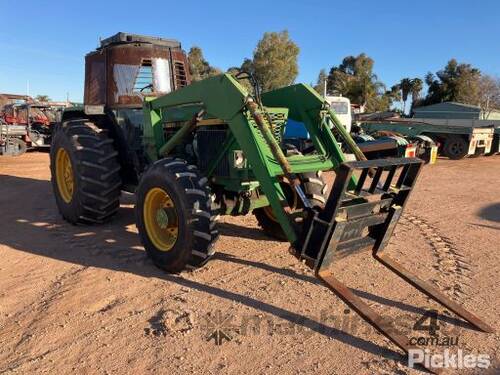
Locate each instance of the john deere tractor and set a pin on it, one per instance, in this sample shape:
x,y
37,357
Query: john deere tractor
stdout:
x,y
193,151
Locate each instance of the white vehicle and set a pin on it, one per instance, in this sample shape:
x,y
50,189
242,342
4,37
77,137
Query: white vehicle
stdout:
x,y
342,108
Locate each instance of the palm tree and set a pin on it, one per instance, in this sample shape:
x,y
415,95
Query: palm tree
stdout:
x,y
405,85
395,92
416,88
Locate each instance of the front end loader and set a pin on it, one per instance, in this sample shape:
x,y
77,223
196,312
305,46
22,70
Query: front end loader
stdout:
x,y
211,148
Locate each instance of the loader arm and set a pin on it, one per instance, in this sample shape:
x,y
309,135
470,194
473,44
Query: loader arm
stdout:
x,y
222,97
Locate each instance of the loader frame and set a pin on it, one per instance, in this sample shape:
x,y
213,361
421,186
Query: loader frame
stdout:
x,y
223,99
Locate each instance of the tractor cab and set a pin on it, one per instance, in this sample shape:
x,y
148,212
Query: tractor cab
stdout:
x,y
128,67
123,71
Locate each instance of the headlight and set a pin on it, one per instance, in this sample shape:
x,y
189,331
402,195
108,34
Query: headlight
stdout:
x,y
239,160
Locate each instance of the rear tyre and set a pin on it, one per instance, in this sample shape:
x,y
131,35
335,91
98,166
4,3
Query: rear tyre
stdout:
x,y
314,188
85,172
174,216
455,147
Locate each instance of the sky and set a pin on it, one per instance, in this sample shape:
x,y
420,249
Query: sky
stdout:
x,y
43,42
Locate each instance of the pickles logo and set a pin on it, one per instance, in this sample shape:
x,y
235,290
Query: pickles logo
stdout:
x,y
447,359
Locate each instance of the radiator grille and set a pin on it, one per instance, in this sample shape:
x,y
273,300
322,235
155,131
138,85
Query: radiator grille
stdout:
x,y
278,120
209,142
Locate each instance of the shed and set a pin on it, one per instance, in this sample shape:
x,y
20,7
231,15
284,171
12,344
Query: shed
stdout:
x,y
454,110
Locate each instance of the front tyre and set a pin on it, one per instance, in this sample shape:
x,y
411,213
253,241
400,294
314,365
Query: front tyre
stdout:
x,y
174,216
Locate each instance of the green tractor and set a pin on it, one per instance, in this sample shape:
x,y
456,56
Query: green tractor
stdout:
x,y
193,151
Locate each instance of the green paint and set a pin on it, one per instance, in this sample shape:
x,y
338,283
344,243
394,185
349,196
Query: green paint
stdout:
x,y
222,97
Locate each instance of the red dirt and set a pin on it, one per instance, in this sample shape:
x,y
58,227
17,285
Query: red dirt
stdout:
x,y
87,299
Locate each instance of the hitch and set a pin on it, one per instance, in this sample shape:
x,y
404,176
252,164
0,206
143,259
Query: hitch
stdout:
x,y
363,219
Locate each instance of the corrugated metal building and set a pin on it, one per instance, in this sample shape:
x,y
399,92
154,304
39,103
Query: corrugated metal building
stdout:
x,y
453,110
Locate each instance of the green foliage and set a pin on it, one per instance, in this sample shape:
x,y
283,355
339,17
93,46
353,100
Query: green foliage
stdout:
x,y
395,92
409,86
42,98
457,82
248,66
274,62
199,68
244,82
354,78
405,85
417,86
379,103
383,102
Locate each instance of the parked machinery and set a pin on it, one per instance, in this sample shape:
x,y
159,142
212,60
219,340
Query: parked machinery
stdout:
x,y
29,125
193,152
457,138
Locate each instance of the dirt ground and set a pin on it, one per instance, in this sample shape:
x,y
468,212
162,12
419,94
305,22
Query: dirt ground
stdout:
x,y
86,299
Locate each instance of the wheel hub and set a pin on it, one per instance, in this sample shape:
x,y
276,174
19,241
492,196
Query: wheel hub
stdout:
x,y
160,219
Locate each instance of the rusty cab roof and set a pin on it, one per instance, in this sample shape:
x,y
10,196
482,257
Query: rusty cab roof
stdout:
x,y
126,38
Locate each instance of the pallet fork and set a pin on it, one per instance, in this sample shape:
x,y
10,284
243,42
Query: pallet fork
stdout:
x,y
364,218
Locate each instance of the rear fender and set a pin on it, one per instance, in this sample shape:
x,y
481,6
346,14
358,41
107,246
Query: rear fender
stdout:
x,y
129,168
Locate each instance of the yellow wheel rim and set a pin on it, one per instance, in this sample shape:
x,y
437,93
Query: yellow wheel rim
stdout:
x,y
160,219
64,175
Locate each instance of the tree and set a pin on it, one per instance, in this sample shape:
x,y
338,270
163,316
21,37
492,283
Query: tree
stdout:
x,y
198,66
395,92
417,86
274,60
405,85
320,82
489,95
410,86
457,82
42,98
246,83
379,103
248,66
354,78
